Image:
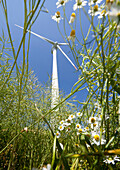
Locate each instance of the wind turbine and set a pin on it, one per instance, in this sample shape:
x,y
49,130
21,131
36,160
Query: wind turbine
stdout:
x,y
56,45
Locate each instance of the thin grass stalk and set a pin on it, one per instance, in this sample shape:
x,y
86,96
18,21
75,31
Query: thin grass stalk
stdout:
x,y
73,92
38,13
21,44
54,154
107,106
31,158
9,33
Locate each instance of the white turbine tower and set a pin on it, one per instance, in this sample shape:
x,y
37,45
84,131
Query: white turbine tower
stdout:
x,y
55,87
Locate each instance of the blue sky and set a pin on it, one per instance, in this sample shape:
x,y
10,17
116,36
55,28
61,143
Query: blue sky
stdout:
x,y
40,56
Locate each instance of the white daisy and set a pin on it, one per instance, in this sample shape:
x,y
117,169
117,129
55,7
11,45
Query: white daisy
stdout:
x,y
57,17
79,4
72,36
109,3
62,122
94,126
80,130
61,127
61,3
93,2
78,114
68,129
94,10
78,126
71,117
87,129
68,121
57,134
96,139
26,129
72,18
116,158
115,13
92,120
109,161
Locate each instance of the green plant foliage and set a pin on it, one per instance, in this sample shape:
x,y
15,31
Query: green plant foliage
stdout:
x,y
67,136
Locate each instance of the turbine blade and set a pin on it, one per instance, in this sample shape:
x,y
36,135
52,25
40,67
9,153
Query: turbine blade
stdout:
x,y
50,41
66,56
63,43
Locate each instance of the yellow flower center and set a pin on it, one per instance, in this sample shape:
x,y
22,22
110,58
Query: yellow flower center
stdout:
x,y
87,128
92,120
62,2
61,122
73,15
78,126
76,145
72,33
80,130
118,15
96,137
68,120
95,8
109,1
58,14
110,159
60,127
79,2
71,116
94,124
57,134
68,128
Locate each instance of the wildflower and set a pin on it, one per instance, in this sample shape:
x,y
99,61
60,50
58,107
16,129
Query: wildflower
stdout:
x,y
93,2
57,134
87,134
68,129
72,36
48,166
94,126
77,145
92,119
86,129
94,11
78,126
112,160
61,3
26,129
109,3
109,161
79,4
80,130
96,139
68,122
78,114
116,158
71,117
57,17
61,127
72,18
62,122
115,13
